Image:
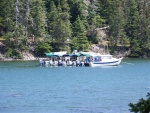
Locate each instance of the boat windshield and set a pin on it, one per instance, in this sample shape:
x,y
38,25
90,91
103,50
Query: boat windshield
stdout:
x,y
106,57
97,58
100,58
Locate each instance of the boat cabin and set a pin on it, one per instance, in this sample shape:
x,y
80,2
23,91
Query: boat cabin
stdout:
x,y
102,57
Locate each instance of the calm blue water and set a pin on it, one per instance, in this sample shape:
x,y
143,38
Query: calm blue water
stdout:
x,y
26,87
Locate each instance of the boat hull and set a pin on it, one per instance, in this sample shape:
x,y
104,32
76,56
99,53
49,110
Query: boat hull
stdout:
x,y
113,62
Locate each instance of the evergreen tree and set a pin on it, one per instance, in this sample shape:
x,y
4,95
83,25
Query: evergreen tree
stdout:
x,y
59,25
79,41
133,28
94,19
27,19
6,16
65,25
104,8
117,34
21,22
53,17
77,8
7,22
38,18
94,22
144,12
18,28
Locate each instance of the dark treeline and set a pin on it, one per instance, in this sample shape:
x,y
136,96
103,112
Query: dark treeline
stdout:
x,y
65,25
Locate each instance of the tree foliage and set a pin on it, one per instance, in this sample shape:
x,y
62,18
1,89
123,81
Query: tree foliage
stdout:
x,y
133,27
80,41
72,24
142,106
43,48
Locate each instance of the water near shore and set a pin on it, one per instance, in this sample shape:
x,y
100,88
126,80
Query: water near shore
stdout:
x,y
26,87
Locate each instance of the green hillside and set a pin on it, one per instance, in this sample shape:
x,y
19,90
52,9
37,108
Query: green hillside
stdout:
x,y
39,26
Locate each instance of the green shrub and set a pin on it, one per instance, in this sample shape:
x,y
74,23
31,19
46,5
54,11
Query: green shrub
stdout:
x,y
13,54
42,48
143,106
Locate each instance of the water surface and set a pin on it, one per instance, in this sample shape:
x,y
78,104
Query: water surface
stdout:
x,y
26,87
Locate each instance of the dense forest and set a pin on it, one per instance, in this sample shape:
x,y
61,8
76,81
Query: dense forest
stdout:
x,y
40,26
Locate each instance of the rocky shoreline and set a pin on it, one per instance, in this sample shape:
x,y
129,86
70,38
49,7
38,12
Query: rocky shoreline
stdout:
x,y
25,55
120,52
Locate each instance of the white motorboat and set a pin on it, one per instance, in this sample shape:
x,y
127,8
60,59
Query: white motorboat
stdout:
x,y
105,60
